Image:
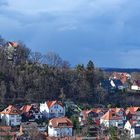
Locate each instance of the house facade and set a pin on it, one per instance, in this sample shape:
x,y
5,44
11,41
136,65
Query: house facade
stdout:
x,y
133,128
60,127
11,116
52,109
136,85
110,118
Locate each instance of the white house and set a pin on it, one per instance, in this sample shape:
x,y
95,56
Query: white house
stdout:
x,y
11,116
112,119
60,127
52,109
133,128
136,85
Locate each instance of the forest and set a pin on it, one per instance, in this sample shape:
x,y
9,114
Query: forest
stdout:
x,y
33,77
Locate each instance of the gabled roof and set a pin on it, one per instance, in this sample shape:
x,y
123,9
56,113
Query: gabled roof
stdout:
x,y
11,110
26,108
110,115
51,103
132,110
136,82
58,122
116,110
86,112
13,44
117,82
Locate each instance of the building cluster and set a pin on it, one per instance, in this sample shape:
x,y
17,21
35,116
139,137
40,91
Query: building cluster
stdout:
x,y
48,121
120,81
44,120
127,120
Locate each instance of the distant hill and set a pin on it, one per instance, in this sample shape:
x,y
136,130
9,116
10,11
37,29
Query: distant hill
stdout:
x,y
128,70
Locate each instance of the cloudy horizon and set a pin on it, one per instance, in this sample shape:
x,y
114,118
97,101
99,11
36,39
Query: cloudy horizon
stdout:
x,y
105,31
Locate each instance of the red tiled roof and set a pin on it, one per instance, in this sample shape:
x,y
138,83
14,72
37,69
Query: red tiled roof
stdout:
x,y
132,110
56,122
51,103
11,110
25,108
111,116
116,110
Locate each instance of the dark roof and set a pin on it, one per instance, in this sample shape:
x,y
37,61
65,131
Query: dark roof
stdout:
x,y
117,82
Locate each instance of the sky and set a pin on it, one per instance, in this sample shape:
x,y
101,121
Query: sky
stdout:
x,y
104,31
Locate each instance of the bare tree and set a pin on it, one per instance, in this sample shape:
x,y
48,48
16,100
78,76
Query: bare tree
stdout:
x,y
36,57
53,59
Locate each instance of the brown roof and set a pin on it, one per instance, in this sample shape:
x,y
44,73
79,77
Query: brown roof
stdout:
x,y
116,110
132,110
25,108
56,122
110,115
11,110
51,103
97,110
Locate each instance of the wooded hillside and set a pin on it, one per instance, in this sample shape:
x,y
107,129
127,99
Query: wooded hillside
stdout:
x,y
27,77
32,77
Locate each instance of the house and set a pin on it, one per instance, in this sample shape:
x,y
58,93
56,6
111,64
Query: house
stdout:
x,y
119,112
94,114
123,76
133,128
136,85
110,118
60,127
117,84
11,116
52,109
133,113
111,85
30,112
